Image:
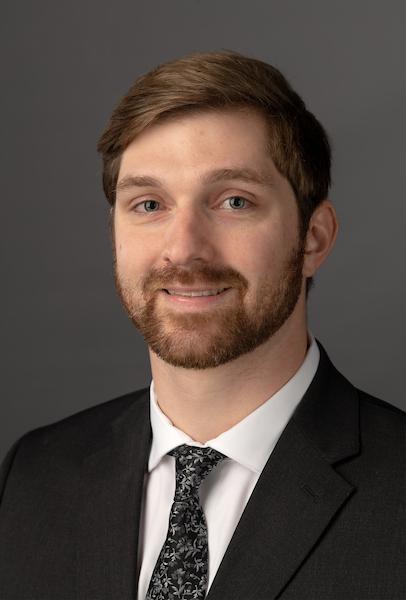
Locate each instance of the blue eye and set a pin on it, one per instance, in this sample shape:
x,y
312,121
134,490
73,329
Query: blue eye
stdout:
x,y
151,205
236,202
147,206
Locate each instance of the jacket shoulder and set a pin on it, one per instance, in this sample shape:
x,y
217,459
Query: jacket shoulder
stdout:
x,y
68,438
87,421
382,445
381,416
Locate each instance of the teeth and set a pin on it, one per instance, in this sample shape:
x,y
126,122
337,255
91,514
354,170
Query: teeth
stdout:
x,y
193,294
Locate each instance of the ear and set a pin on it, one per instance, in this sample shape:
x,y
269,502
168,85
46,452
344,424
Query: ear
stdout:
x,y
320,237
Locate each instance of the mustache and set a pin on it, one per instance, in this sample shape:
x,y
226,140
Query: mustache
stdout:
x,y
205,275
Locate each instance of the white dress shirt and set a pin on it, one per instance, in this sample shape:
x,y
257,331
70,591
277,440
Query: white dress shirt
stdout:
x,y
227,489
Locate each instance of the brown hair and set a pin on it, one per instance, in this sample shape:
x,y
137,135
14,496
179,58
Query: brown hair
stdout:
x,y
298,143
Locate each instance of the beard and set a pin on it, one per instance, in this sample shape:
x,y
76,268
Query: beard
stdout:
x,y
208,339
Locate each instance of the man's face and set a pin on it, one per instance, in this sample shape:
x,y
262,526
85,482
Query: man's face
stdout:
x,y
208,263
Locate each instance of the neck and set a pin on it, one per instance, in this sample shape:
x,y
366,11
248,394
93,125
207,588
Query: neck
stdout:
x,y
205,403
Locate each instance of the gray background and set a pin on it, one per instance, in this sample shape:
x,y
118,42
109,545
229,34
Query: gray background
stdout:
x,y
66,342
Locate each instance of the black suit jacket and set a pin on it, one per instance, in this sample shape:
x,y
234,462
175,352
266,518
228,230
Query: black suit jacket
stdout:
x,y
324,521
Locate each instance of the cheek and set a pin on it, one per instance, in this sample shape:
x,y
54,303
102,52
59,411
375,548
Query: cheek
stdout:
x,y
126,254
126,243
254,259
123,254
257,249
135,255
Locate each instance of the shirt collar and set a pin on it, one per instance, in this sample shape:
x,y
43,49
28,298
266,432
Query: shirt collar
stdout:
x,y
251,441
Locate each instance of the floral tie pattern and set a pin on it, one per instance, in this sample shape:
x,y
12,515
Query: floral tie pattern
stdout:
x,y
181,568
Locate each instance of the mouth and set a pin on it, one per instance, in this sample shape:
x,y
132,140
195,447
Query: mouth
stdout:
x,y
188,293
193,299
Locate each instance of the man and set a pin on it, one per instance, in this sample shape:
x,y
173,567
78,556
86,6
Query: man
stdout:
x,y
251,469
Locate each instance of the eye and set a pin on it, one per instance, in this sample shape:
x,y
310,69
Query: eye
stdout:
x,y
147,206
235,203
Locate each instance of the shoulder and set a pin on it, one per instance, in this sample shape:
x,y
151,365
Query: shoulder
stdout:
x,y
67,440
377,468
81,425
374,416
382,425
376,406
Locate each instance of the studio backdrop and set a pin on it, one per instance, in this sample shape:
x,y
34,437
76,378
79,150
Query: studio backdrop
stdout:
x,y
66,342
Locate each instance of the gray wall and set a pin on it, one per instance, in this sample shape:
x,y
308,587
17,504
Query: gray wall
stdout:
x,y
66,343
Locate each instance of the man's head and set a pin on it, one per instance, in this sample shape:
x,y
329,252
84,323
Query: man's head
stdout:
x,y
296,141
217,174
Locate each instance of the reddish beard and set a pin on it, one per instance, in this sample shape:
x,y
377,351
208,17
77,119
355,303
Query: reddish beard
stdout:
x,y
207,339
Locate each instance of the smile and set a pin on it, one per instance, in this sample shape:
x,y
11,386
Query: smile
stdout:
x,y
191,300
194,293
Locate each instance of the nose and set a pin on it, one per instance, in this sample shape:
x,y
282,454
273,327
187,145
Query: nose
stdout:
x,y
188,238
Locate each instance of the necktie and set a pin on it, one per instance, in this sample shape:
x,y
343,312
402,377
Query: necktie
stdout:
x,y
181,569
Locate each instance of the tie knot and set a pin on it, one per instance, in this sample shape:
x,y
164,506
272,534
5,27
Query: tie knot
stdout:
x,y
193,464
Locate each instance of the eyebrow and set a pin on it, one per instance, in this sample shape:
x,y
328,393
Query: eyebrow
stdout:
x,y
242,174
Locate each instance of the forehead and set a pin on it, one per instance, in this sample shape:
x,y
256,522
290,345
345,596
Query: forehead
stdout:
x,y
197,141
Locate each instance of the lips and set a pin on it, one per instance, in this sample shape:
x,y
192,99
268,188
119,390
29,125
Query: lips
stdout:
x,y
194,293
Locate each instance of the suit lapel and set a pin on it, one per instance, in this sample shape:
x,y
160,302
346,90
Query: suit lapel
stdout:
x,y
297,494
111,489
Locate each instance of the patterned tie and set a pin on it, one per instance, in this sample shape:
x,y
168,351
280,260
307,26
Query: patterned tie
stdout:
x,y
181,569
